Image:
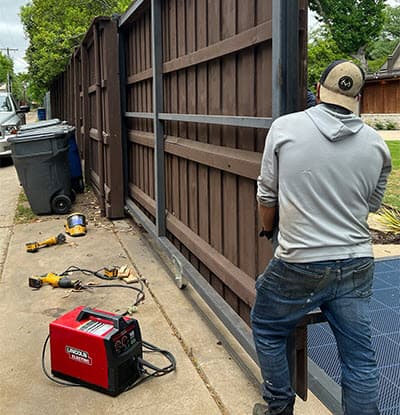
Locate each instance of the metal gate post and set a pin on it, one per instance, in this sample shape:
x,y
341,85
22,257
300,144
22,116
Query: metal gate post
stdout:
x,y
285,92
156,39
288,89
285,57
124,130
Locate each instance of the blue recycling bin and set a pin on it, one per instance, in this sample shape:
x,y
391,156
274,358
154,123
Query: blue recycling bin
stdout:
x,y
75,165
41,114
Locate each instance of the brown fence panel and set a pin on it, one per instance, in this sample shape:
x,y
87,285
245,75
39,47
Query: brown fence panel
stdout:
x,y
102,116
216,60
381,96
87,95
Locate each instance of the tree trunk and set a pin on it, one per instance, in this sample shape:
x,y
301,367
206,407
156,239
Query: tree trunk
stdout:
x,y
360,56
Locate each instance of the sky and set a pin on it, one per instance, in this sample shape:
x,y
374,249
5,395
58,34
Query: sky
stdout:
x,y
12,34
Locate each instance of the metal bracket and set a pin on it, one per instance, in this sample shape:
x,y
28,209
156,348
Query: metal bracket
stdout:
x,y
180,280
105,138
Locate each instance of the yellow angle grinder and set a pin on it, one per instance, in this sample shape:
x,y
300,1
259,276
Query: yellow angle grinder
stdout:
x,y
76,224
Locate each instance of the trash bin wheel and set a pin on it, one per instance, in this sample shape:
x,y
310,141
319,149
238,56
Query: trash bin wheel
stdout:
x,y
61,204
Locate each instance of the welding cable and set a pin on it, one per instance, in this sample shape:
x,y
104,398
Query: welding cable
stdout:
x,y
74,268
139,297
45,370
140,291
157,371
154,349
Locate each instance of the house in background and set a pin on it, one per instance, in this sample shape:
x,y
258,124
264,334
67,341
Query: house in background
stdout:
x,y
380,101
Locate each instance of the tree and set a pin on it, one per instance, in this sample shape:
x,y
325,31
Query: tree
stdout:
x,y
389,38
54,28
21,88
6,67
391,27
353,24
322,50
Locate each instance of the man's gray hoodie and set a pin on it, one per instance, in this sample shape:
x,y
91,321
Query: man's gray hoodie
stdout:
x,y
326,171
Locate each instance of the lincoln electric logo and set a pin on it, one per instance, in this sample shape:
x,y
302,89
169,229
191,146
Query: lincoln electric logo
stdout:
x,y
78,355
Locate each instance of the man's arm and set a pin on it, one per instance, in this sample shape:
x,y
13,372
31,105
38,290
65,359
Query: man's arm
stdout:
x,y
267,216
267,187
374,203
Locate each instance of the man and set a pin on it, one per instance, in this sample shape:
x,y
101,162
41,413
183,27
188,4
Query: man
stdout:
x,y
326,170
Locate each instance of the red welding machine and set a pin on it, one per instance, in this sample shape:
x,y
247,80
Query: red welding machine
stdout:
x,y
97,349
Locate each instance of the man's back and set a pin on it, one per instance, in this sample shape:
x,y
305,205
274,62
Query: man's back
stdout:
x,y
330,165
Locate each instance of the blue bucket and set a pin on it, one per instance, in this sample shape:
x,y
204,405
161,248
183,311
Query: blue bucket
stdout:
x,y
41,114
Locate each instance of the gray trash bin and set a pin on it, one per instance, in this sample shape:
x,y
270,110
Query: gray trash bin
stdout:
x,y
75,165
40,157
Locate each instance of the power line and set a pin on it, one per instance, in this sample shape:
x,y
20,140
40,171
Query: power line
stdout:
x,y
9,50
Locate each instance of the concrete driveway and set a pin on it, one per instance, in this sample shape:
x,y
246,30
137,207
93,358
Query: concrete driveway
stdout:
x,y
208,380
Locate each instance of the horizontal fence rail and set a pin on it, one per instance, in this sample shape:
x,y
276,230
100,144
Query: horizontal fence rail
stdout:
x,y
233,121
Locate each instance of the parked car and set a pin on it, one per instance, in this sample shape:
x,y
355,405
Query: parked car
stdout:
x,y
12,116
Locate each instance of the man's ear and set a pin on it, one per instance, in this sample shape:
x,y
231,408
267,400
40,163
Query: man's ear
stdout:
x,y
317,96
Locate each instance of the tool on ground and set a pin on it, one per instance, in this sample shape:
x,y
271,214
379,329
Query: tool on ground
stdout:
x,y
54,240
129,275
124,273
111,272
54,280
76,224
100,350
96,349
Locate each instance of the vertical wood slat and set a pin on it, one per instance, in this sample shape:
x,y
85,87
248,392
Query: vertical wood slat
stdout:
x,y
85,115
99,119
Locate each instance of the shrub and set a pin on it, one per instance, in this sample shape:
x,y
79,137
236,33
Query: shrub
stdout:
x,y
379,125
390,217
390,125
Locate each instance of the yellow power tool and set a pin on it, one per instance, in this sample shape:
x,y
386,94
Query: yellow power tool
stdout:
x,y
54,240
76,224
54,280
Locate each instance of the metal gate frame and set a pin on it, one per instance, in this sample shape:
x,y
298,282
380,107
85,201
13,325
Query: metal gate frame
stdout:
x,y
286,99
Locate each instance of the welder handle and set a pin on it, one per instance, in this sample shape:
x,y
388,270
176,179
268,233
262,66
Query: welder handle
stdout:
x,y
118,321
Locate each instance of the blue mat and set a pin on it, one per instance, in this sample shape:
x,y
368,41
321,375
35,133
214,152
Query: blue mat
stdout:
x,y
385,316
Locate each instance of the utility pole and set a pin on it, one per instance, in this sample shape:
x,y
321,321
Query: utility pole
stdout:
x,y
8,50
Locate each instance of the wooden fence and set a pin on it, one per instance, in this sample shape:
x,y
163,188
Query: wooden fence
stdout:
x,y
381,95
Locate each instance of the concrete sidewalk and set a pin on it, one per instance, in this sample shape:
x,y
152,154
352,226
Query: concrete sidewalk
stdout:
x,y
207,381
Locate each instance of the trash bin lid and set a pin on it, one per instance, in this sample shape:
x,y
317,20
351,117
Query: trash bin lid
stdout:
x,y
40,124
56,131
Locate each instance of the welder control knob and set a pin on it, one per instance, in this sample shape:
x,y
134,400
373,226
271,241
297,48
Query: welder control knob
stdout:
x,y
118,346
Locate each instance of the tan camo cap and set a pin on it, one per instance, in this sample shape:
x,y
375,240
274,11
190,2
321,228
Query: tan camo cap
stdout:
x,y
341,84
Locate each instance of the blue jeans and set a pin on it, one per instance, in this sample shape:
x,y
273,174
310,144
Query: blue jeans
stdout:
x,y
286,292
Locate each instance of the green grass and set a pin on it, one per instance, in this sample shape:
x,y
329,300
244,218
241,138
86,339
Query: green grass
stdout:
x,y
23,213
392,195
